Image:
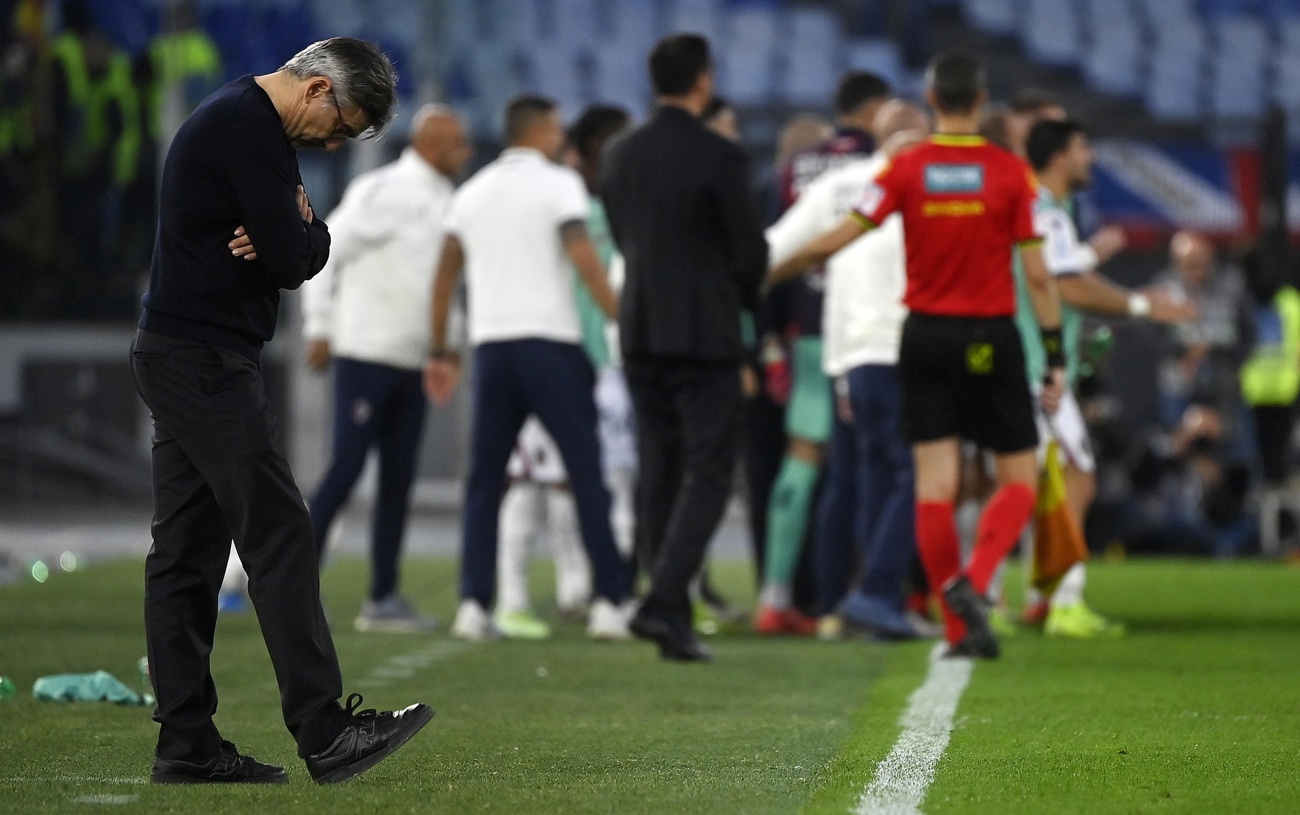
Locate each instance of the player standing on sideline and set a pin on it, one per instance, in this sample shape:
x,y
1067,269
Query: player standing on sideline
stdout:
x,y
866,539
235,227
810,411
515,228
966,205
538,496
368,312
1061,156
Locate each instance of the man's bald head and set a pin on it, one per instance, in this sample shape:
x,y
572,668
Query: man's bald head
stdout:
x,y
438,136
899,116
1193,257
803,131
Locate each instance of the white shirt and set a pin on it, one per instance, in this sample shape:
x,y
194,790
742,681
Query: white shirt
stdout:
x,y
371,301
508,219
863,312
1063,253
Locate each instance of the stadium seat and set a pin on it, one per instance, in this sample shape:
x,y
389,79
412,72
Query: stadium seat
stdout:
x,y
1238,67
620,76
995,16
697,16
1051,32
1288,35
553,71
812,58
880,57
1112,62
745,69
1174,86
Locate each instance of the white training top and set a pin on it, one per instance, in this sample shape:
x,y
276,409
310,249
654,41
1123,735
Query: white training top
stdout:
x,y
508,219
863,312
371,301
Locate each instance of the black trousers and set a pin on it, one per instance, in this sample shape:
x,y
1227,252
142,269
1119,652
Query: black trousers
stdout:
x,y
688,416
220,472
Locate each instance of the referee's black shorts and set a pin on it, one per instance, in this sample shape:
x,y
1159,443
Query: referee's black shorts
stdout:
x,y
965,376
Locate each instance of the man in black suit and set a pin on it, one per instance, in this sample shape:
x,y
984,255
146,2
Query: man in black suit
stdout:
x,y
678,201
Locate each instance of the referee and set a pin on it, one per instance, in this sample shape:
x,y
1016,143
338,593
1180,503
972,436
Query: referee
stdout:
x,y
966,205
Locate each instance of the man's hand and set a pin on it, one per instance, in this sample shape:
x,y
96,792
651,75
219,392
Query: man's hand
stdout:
x,y
318,355
1168,309
304,206
1053,390
242,245
441,377
1108,242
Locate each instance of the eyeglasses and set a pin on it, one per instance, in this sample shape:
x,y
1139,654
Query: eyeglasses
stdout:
x,y
343,131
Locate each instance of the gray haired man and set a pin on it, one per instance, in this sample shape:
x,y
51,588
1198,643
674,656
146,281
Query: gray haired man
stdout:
x,y
234,228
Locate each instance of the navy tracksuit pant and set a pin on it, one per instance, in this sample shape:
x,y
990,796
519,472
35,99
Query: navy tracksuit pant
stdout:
x,y
867,511
555,382
382,407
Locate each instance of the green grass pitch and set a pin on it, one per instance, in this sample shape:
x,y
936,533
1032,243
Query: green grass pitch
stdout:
x,y
1196,711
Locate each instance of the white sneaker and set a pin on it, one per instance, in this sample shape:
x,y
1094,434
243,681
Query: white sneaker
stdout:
x,y
607,621
473,624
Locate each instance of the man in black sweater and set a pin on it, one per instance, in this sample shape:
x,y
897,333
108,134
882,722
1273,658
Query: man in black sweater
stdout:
x,y
679,209
234,228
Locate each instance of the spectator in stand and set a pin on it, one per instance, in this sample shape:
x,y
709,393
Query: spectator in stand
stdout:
x,y
1202,358
367,314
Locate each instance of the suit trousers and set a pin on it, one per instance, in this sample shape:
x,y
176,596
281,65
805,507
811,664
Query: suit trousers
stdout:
x,y
556,382
689,417
220,472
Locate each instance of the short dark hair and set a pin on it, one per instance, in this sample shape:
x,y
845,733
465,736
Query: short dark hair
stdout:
x,y
994,125
677,61
957,80
1032,100
596,124
360,72
1049,137
856,89
522,113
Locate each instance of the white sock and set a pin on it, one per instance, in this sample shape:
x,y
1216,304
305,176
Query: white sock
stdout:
x,y
572,569
1070,590
521,514
776,595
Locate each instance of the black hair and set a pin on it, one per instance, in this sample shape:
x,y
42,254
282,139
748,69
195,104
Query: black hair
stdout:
x,y
856,89
957,80
1048,138
596,124
522,112
676,62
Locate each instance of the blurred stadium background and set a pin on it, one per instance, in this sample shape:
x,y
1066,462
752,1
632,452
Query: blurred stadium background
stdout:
x,y
1194,106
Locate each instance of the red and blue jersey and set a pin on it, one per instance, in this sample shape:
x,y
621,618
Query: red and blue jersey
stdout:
x,y
804,304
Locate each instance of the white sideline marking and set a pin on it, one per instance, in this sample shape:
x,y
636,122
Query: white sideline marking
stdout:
x,y
906,773
404,666
70,779
107,800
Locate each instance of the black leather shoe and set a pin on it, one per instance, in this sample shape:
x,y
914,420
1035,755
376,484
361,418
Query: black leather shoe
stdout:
x,y
367,739
965,602
226,767
676,642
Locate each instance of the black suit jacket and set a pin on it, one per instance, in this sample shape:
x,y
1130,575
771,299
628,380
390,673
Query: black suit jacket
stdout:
x,y
680,211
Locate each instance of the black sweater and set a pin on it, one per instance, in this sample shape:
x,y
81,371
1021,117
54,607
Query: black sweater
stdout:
x,y
230,165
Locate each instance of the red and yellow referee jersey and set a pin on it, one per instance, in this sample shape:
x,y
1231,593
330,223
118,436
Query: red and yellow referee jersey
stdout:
x,y
965,205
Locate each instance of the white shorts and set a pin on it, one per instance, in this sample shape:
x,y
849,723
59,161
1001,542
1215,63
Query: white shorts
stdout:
x,y
536,458
1069,430
617,421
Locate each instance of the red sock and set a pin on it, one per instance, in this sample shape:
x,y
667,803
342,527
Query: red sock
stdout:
x,y
936,538
1003,520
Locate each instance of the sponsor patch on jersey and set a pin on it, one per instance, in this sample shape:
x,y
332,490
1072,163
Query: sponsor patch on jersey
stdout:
x,y
954,177
871,198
